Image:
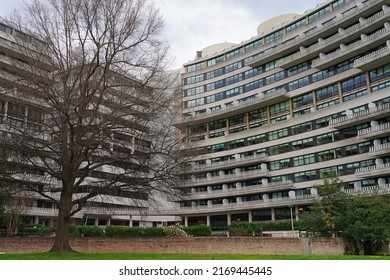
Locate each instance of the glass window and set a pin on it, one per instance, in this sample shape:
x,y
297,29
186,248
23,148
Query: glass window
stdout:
x,y
328,138
256,139
274,36
216,60
279,149
354,82
319,14
254,85
301,128
238,119
234,92
234,53
232,67
296,25
253,45
278,134
215,73
195,67
302,144
303,160
327,92
298,69
280,108
298,83
302,100
305,176
380,73
217,124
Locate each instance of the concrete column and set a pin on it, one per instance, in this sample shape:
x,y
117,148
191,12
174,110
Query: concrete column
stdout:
x,y
96,221
273,214
185,221
130,221
208,220
109,221
250,216
229,218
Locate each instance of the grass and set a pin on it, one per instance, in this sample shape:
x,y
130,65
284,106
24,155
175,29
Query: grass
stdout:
x,y
77,256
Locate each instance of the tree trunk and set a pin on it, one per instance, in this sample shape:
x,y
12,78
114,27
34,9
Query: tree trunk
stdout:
x,y
368,248
62,238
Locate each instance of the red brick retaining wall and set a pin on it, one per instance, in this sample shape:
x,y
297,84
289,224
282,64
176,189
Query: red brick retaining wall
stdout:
x,y
201,245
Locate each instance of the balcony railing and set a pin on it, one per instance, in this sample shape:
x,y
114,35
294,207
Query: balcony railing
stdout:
x,y
380,148
374,131
53,212
304,37
260,173
262,98
371,171
374,56
356,117
231,162
340,53
381,189
243,190
284,201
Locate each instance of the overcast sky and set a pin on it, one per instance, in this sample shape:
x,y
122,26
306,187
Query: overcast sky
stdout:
x,y
192,25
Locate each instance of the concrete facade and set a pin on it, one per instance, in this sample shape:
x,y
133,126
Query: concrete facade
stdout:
x,y
270,116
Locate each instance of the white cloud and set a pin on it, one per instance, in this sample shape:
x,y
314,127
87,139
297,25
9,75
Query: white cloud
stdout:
x,y
194,25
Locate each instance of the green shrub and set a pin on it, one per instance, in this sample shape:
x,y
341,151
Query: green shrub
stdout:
x,y
86,230
36,229
279,225
200,230
154,231
133,231
245,229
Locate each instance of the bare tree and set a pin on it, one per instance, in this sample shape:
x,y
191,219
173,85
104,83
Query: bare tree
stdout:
x,y
84,117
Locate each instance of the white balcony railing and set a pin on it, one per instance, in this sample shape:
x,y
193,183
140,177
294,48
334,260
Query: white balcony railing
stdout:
x,y
381,168
213,165
359,115
380,148
383,128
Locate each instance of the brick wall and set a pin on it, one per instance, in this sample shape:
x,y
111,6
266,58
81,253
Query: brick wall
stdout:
x,y
201,245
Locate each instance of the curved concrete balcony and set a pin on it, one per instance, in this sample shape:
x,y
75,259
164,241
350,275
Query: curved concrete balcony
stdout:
x,y
373,171
97,211
375,131
322,30
380,150
360,117
381,189
236,108
278,186
231,163
230,178
246,205
345,52
368,61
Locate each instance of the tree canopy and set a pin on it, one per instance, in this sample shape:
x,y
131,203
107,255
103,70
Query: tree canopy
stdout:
x,y
89,110
363,219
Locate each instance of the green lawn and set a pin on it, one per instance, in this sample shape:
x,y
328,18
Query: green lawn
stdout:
x,y
76,256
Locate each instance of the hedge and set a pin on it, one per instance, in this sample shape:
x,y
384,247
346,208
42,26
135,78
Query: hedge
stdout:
x,y
86,230
133,231
200,230
245,229
36,229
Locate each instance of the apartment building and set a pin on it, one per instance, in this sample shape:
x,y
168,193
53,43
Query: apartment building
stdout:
x,y
308,95
22,107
